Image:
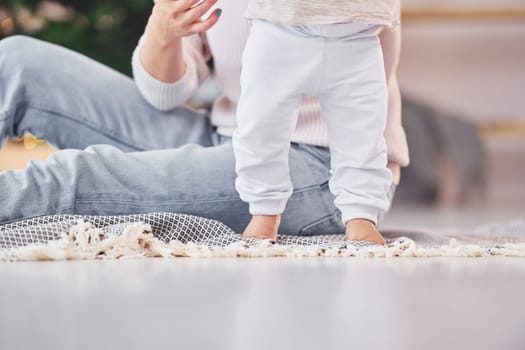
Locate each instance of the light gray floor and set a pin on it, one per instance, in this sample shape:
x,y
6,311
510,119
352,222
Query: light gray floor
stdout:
x,y
264,304
450,220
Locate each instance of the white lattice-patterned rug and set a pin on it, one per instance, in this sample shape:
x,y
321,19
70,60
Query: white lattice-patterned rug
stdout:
x,y
170,235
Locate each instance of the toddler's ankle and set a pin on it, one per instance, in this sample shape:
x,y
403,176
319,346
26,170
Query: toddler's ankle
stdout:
x,y
363,230
263,227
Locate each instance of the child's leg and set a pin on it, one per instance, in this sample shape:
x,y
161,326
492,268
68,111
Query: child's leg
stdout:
x,y
354,102
272,81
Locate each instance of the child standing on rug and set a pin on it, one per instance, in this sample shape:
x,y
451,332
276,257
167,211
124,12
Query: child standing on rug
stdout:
x,y
328,49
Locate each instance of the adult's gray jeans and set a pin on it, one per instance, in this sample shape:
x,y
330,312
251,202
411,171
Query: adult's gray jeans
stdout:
x,y
118,155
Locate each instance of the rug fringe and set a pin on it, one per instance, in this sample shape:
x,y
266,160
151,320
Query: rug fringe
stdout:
x,y
84,241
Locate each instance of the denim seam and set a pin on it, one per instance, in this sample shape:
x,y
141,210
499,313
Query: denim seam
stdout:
x,y
223,199
138,200
46,213
81,120
319,221
312,187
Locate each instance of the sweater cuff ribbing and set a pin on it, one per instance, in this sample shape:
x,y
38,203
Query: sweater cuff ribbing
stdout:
x,y
163,96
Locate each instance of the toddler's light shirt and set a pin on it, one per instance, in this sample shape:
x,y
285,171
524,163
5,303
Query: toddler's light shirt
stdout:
x,y
307,12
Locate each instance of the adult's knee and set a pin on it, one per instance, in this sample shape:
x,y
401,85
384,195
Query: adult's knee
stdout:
x,y
25,69
14,47
15,41
19,55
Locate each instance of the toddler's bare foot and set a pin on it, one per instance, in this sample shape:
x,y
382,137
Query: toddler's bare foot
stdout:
x,y
363,230
263,227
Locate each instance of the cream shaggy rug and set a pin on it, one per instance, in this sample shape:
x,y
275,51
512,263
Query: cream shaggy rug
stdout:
x,y
170,235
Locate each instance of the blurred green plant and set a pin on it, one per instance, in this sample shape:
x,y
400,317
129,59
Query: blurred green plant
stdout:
x,y
105,30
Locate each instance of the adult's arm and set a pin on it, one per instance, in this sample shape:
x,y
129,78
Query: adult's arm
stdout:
x,y
395,135
169,62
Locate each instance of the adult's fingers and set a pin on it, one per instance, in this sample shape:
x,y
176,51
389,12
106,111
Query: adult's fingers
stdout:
x,y
181,6
202,26
198,11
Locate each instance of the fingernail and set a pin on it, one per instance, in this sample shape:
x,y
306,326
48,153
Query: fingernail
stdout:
x,y
218,12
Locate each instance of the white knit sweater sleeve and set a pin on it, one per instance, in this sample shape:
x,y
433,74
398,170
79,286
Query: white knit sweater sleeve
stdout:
x,y
167,96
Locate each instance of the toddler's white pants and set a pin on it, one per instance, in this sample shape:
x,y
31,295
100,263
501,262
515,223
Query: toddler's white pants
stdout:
x,y
340,64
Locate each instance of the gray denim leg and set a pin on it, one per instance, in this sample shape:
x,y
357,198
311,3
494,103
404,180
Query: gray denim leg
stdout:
x,y
74,102
197,180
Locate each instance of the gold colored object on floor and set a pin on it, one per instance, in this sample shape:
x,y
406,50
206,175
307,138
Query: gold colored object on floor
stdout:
x,y
17,153
30,142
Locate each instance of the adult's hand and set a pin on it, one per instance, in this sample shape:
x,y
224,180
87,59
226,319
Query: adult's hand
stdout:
x,y
170,21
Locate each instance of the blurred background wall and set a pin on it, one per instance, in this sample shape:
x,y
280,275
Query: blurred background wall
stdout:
x,y
474,60
462,74
466,60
